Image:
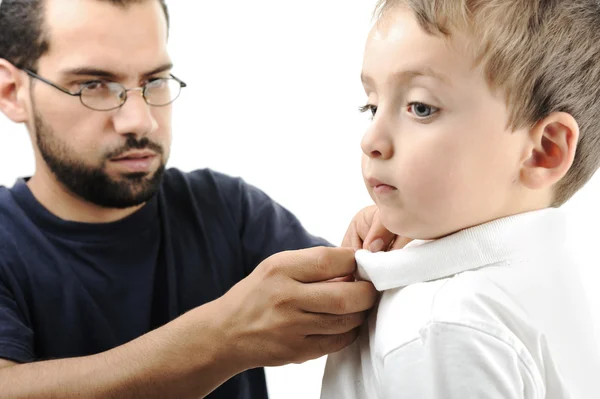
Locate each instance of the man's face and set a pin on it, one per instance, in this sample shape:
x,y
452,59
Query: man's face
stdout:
x,y
438,156
111,158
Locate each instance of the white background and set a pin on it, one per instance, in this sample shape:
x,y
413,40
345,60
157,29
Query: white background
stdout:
x,y
273,95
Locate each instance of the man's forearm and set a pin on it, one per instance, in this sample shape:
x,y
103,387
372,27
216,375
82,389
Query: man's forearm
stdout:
x,y
185,358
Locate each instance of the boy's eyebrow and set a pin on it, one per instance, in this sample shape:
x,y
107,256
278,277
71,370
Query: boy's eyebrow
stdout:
x,y
92,71
407,75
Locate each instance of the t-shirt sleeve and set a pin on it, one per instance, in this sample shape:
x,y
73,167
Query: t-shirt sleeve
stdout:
x,y
16,337
247,217
264,227
268,228
453,361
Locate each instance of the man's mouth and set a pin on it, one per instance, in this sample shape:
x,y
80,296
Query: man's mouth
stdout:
x,y
133,155
135,161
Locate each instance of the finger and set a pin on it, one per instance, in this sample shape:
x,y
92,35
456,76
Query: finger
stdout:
x,y
315,264
359,227
319,345
337,298
328,324
399,243
345,279
352,238
378,238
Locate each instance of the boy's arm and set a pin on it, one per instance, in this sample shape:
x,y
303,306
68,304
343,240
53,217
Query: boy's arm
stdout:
x,y
453,361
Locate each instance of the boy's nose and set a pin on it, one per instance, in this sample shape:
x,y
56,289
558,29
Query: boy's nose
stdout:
x,y
376,143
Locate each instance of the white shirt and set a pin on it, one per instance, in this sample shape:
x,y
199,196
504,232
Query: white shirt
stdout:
x,y
494,311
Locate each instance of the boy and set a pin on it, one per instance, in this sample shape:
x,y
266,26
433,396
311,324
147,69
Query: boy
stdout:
x,y
486,117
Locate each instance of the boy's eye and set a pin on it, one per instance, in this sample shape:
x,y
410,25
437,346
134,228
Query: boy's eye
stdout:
x,y
369,107
421,110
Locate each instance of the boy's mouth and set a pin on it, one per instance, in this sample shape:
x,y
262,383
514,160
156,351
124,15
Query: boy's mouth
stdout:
x,y
380,187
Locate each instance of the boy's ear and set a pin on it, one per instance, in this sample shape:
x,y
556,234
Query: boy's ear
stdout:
x,y
12,103
553,141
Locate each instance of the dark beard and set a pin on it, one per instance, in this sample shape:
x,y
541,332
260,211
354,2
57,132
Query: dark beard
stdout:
x,y
93,184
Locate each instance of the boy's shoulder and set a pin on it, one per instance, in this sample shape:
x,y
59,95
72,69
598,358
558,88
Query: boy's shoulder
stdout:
x,y
514,301
468,299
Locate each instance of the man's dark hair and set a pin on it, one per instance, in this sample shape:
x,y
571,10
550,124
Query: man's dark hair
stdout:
x,y
22,37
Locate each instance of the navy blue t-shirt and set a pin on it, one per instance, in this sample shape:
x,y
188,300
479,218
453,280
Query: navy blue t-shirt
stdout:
x,y
74,289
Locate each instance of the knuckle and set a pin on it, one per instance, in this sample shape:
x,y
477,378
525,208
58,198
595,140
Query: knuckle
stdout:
x,y
280,298
324,345
338,341
366,216
344,322
339,304
343,340
271,267
323,324
356,320
334,323
367,295
324,260
332,343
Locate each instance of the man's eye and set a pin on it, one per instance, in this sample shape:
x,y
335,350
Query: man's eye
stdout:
x,y
421,110
95,85
157,83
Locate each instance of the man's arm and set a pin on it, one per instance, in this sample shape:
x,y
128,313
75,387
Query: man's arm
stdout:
x,y
182,359
5,363
284,312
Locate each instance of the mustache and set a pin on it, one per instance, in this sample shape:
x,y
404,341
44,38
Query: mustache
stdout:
x,y
133,143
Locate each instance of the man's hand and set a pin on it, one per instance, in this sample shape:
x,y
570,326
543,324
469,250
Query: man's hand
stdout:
x,y
284,312
367,232
287,312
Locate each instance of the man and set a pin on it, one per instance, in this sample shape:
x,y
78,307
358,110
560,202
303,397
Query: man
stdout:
x,y
119,278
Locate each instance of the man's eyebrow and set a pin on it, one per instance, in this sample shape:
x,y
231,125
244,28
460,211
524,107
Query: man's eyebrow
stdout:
x,y
101,73
89,71
407,75
165,67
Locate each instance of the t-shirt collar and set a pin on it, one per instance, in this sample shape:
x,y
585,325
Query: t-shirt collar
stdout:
x,y
468,249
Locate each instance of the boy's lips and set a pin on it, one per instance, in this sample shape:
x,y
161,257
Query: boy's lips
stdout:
x,y
380,187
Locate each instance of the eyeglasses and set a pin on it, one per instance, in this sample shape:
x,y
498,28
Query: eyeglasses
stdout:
x,y
100,95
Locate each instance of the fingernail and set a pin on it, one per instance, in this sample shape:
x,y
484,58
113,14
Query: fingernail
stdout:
x,y
376,245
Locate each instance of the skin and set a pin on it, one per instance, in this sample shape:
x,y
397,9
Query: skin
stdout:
x,y
438,156
125,49
288,310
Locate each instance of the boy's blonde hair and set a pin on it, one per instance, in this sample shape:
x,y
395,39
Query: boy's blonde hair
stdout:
x,y
543,54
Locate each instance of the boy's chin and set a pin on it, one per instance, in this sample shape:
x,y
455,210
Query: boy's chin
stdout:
x,y
402,224
395,221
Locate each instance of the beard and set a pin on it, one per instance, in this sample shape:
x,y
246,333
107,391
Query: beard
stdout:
x,y
93,184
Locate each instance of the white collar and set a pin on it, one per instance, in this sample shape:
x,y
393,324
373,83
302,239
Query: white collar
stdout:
x,y
467,249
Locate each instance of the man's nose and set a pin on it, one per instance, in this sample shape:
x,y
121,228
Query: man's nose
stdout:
x,y
135,116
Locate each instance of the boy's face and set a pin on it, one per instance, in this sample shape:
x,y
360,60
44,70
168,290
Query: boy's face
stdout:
x,y
438,155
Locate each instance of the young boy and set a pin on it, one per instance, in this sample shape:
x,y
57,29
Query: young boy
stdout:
x,y
486,118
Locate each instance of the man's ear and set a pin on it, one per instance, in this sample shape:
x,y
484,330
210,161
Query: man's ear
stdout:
x,y
553,142
12,89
